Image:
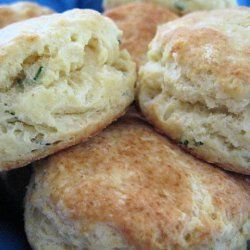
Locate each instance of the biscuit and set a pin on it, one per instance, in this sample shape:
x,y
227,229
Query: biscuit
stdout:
x,y
130,188
20,11
139,21
195,86
62,79
180,7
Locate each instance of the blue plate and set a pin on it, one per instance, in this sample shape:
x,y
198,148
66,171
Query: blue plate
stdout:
x,y
62,5
12,236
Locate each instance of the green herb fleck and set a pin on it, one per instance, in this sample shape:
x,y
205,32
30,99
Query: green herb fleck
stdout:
x,y
38,73
198,143
19,84
126,93
179,6
184,142
13,120
19,81
119,41
9,112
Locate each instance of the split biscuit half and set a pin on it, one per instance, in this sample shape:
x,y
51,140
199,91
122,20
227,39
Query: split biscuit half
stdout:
x,y
63,78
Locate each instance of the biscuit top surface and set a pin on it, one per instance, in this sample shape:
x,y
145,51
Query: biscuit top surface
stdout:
x,y
20,11
150,191
179,6
139,21
215,43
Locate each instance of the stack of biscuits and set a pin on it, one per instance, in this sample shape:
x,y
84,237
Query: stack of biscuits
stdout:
x,y
136,122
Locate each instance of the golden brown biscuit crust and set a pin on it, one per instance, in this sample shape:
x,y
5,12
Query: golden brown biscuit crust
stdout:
x,y
21,11
180,7
139,21
152,193
228,59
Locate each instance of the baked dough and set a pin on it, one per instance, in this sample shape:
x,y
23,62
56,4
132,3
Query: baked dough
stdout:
x,y
131,188
62,79
139,21
195,86
20,11
179,6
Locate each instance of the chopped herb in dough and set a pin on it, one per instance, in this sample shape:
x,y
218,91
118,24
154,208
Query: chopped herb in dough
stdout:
x,y
9,112
198,143
38,73
20,82
179,6
184,142
126,93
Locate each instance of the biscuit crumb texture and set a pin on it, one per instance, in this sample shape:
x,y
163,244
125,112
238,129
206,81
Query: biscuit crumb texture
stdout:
x,y
195,86
62,78
130,188
179,6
